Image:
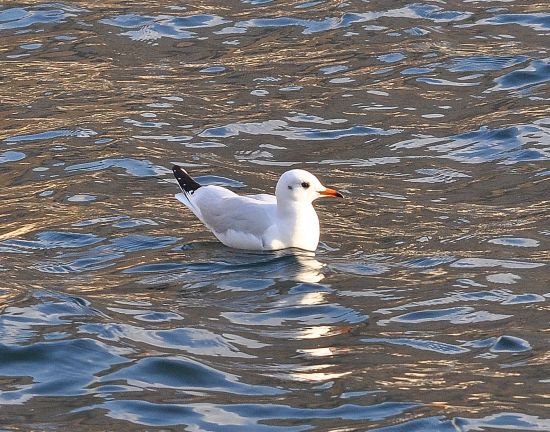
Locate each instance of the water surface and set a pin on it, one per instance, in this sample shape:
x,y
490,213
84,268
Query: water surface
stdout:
x,y
424,307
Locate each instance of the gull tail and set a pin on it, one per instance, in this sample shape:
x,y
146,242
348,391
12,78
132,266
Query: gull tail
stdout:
x,y
188,187
186,182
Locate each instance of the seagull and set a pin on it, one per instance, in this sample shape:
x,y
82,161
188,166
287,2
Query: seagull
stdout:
x,y
258,222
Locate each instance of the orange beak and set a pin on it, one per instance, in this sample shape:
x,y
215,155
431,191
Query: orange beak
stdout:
x,y
331,193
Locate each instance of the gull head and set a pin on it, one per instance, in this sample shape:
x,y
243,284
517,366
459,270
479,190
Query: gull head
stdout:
x,y
301,186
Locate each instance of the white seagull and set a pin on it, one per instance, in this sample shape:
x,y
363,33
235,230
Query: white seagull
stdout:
x,y
259,222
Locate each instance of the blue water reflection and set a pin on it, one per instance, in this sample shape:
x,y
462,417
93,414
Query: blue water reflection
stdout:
x,y
536,21
183,374
509,145
536,73
151,28
50,135
484,63
282,129
233,417
11,156
138,168
53,13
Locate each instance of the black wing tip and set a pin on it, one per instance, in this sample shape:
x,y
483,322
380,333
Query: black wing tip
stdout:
x,y
186,182
176,169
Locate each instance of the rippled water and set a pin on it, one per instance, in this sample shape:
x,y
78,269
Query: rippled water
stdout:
x,y
425,306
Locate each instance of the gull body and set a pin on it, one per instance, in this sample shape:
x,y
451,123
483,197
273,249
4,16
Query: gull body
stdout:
x,y
258,222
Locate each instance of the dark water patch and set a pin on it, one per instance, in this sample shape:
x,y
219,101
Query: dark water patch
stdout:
x,y
304,306
58,368
464,313
142,312
305,315
229,263
500,296
155,268
524,299
455,315
504,421
510,344
191,340
311,26
58,239
439,424
13,250
536,21
361,268
537,72
233,417
508,145
50,135
104,255
428,262
54,240
79,265
186,375
421,344
140,242
484,63
47,310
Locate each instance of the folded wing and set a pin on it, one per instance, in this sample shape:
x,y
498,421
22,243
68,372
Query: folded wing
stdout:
x,y
237,221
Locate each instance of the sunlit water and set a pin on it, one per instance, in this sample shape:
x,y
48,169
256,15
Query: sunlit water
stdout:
x,y
425,306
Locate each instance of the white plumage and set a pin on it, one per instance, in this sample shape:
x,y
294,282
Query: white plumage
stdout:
x,y
259,222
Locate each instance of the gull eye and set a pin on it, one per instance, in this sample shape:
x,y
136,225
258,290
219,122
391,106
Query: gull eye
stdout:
x,y
305,185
